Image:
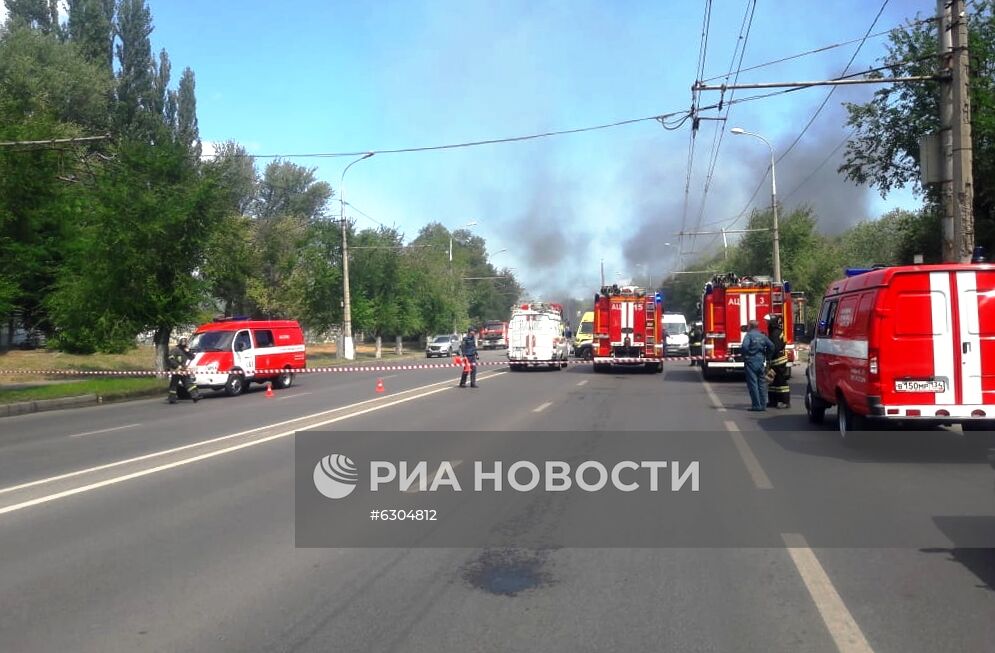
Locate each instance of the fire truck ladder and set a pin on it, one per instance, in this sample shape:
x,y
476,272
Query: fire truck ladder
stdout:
x,y
650,323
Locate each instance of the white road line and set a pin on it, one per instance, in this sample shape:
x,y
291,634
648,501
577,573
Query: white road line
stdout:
x,y
542,407
211,454
757,473
113,428
584,382
841,624
164,452
415,488
298,394
714,397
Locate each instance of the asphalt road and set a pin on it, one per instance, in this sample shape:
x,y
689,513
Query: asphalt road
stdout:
x,y
148,527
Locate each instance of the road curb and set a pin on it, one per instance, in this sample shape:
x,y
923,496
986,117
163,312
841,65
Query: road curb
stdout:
x,y
39,405
59,403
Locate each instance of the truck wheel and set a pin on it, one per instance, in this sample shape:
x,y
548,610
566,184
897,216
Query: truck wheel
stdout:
x,y
588,354
848,423
706,373
236,383
285,380
814,406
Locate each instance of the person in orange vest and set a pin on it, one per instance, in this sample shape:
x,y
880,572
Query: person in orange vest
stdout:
x,y
468,350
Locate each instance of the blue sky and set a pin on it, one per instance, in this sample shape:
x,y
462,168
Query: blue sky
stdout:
x,y
295,77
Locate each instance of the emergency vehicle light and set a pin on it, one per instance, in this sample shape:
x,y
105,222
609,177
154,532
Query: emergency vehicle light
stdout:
x,y
853,272
659,298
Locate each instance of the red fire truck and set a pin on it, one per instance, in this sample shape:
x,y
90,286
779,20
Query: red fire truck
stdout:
x,y
728,305
628,328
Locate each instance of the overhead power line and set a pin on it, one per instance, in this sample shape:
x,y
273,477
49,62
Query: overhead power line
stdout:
x,y
661,118
825,48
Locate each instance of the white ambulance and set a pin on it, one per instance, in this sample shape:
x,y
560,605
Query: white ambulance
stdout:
x,y
537,336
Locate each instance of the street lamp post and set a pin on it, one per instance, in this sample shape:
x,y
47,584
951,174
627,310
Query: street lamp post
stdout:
x,y
348,350
773,202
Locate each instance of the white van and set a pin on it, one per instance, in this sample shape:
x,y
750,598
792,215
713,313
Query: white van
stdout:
x,y
536,336
675,328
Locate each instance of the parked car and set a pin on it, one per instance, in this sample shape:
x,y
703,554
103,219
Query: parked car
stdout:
x,y
442,345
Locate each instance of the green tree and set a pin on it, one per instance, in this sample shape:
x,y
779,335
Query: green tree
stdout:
x,y
186,113
884,152
133,266
46,91
137,99
41,15
91,28
383,296
289,189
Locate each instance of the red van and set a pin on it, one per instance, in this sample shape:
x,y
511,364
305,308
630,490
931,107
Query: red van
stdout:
x,y
230,353
906,343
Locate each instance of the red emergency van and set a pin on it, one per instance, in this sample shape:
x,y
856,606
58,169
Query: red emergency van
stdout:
x,y
906,343
230,353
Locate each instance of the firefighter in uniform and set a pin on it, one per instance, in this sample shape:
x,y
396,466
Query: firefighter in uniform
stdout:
x,y
757,349
177,361
779,391
695,338
468,350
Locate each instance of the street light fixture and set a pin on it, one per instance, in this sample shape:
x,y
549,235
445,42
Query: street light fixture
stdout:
x,y
348,350
739,131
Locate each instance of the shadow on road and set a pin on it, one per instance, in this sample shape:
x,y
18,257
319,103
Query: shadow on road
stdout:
x,y
979,561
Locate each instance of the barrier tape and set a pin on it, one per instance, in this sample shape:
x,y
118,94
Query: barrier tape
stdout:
x,y
454,365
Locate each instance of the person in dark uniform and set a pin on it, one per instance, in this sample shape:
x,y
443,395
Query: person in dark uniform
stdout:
x,y
177,361
695,339
757,349
468,350
779,392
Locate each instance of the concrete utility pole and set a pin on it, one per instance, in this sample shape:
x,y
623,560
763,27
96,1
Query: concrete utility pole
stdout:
x,y
957,188
348,351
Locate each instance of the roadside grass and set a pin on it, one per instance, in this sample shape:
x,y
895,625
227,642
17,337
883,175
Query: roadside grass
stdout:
x,y
108,389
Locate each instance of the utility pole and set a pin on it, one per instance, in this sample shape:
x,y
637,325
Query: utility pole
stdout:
x,y
957,189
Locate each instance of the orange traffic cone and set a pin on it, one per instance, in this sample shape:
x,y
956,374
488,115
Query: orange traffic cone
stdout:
x,y
466,364
269,390
457,360
380,388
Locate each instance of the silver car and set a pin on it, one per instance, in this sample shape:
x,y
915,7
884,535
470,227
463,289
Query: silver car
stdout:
x,y
442,346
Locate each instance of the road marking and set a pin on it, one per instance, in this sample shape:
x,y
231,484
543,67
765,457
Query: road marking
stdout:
x,y
415,488
113,428
841,624
221,438
211,454
714,397
584,382
760,478
542,407
299,394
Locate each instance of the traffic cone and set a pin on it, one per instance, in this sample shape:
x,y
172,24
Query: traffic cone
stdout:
x,y
269,390
380,388
457,360
466,364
